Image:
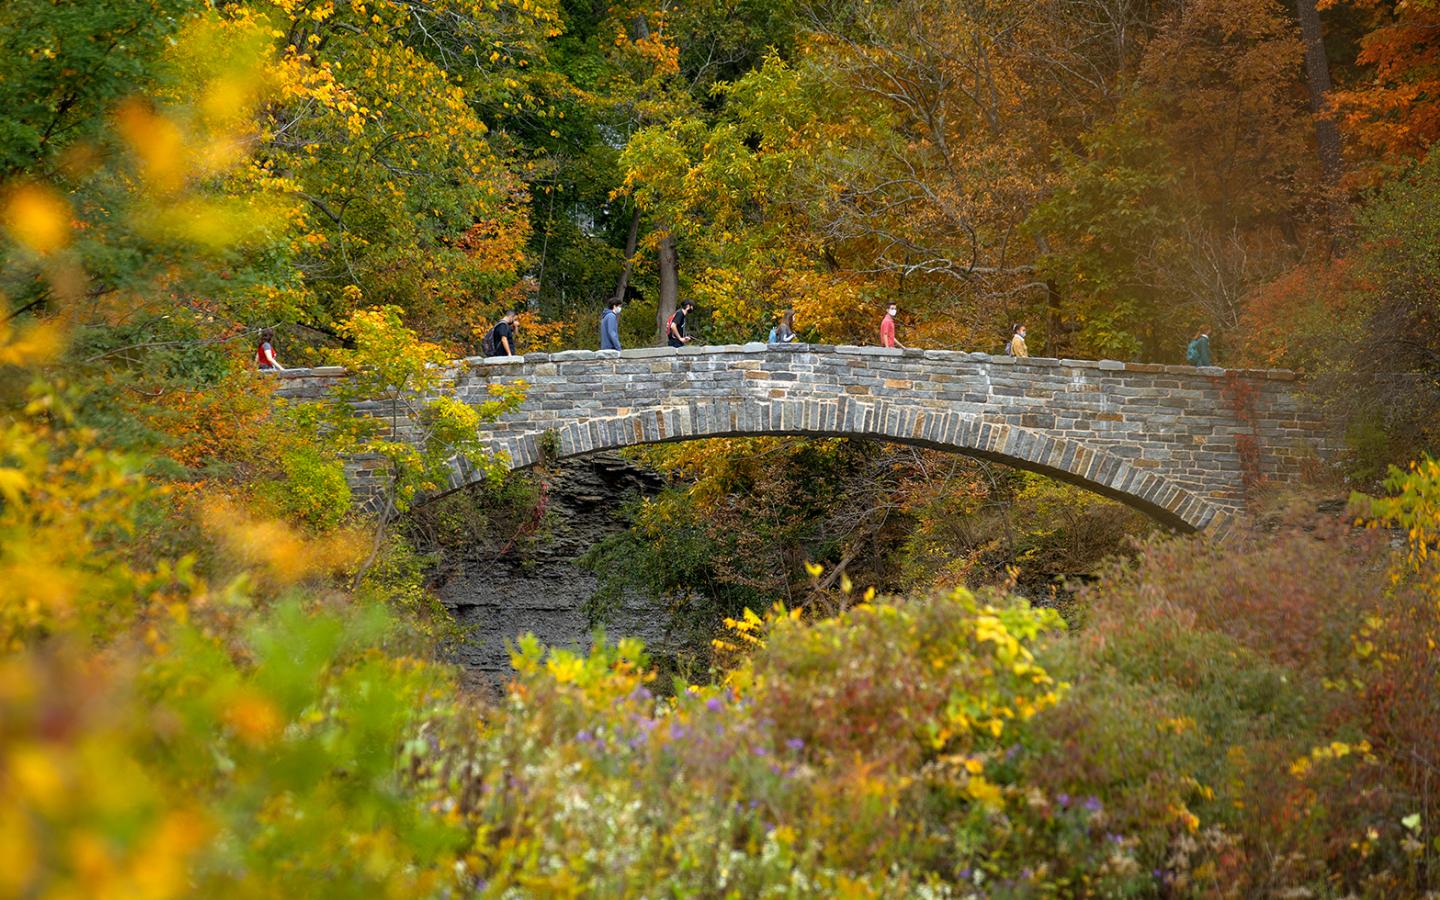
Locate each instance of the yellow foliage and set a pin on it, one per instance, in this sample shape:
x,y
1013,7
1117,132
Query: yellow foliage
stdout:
x,y
276,549
36,218
35,345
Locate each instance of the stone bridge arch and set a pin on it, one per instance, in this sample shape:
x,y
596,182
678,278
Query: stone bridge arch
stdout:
x,y
1181,444
1023,448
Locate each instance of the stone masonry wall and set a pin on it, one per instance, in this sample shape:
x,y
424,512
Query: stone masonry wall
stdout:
x,y
1183,444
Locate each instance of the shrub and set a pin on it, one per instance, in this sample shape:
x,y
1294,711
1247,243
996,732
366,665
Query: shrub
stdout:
x,y
844,754
314,490
264,764
1294,597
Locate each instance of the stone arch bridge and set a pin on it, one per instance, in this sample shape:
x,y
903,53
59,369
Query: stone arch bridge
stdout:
x,y
1181,444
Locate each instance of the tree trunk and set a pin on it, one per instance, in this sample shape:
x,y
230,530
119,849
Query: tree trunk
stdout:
x,y
630,242
1317,82
669,285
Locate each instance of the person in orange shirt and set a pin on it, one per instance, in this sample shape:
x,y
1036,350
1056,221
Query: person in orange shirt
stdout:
x,y
887,329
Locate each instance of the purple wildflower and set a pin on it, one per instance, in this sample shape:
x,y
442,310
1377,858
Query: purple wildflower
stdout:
x,y
1063,799
713,704
795,744
1093,805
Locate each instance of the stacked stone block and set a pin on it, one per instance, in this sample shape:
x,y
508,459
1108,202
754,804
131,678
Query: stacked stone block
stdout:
x,y
1183,444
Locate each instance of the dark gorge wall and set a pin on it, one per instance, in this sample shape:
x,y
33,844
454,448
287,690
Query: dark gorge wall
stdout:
x,y
500,589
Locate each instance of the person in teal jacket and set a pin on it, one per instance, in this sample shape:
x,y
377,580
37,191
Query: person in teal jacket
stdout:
x,y
1198,353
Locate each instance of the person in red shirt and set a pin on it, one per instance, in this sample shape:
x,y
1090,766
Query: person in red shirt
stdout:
x,y
265,354
887,329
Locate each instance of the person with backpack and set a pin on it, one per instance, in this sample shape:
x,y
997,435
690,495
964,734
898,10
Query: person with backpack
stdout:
x,y
1017,347
500,340
265,359
1198,353
676,329
610,325
784,332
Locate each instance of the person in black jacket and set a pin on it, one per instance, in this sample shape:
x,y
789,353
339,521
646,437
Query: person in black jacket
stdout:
x,y
504,335
676,332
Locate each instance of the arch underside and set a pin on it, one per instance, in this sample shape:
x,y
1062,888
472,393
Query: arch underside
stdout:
x,y
1088,467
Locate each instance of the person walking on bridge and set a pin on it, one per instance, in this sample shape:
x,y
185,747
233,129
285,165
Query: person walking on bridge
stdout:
x,y
1017,342
1198,353
677,330
265,354
887,329
501,339
610,325
784,333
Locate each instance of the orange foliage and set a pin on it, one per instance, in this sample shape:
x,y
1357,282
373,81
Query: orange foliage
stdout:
x,y
1289,321
275,550
225,420
495,248
1226,75
1395,115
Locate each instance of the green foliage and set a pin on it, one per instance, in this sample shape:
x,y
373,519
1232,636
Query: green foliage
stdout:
x,y
973,529
62,68
227,773
1108,223
314,490
676,566
390,366
1398,265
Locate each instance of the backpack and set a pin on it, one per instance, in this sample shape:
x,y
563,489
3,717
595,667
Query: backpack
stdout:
x,y
1192,353
774,336
668,323
1010,346
488,345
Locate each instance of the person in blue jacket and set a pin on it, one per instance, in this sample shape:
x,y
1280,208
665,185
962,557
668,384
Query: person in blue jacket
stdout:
x,y
610,326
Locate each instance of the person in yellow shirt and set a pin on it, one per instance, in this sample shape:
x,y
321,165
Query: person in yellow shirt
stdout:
x,y
1017,342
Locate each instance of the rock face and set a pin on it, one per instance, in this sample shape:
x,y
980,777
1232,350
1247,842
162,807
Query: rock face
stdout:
x,y
543,591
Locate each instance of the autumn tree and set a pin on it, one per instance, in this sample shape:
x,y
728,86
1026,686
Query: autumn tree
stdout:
x,y
1390,109
405,201
62,73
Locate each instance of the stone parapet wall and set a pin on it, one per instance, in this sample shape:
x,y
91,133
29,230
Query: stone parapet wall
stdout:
x,y
1182,443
